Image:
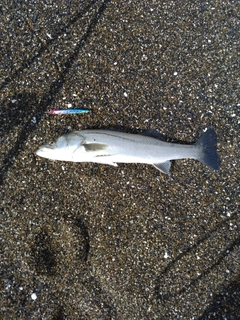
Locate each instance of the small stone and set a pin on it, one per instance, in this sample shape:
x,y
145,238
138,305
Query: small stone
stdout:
x,y
34,120
33,296
165,255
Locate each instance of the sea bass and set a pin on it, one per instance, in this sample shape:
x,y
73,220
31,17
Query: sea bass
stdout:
x,y
112,147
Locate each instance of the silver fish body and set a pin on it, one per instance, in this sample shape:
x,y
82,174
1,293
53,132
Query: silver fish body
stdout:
x,y
112,147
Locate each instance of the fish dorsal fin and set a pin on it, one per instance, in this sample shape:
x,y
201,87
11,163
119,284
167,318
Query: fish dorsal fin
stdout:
x,y
163,166
90,147
152,133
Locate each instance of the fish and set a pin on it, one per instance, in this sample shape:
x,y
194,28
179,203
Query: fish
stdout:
x,y
112,147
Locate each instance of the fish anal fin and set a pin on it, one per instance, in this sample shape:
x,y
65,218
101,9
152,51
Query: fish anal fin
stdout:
x,y
90,147
163,166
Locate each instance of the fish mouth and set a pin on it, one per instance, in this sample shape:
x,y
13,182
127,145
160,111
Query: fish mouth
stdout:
x,y
44,148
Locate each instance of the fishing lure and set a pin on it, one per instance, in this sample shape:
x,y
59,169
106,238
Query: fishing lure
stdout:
x,y
68,111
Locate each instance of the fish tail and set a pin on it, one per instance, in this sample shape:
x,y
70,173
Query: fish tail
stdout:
x,y
209,156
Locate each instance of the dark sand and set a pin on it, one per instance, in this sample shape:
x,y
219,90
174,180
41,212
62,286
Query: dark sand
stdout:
x,y
88,241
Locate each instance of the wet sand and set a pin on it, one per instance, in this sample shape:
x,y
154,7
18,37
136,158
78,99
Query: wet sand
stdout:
x,y
89,241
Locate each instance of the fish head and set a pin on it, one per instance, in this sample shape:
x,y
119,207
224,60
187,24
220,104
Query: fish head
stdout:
x,y
62,148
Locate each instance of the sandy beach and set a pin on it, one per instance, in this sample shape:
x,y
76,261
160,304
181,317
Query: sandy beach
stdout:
x,y
91,241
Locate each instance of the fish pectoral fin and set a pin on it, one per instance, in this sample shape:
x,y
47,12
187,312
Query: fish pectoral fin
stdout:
x,y
163,166
90,147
